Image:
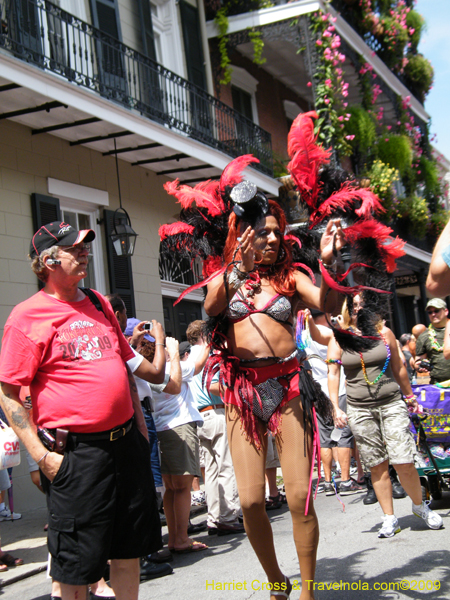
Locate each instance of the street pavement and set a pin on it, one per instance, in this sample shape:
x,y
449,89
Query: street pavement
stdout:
x,y
352,561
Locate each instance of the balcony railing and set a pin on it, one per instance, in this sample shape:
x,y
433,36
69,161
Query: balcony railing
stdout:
x,y
43,34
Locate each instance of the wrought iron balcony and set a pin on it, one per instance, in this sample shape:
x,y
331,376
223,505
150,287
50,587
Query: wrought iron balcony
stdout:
x,y
43,34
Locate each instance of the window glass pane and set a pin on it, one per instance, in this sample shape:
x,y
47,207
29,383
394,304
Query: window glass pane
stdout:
x,y
71,218
82,221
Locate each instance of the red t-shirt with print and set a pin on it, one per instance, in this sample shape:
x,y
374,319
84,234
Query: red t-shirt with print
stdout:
x,y
73,358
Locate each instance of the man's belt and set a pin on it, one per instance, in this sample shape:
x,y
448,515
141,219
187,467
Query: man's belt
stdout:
x,y
210,407
112,435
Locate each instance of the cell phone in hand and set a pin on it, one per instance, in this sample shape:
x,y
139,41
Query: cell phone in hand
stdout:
x,y
148,326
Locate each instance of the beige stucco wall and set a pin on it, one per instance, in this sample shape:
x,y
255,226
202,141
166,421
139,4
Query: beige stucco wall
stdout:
x,y
26,162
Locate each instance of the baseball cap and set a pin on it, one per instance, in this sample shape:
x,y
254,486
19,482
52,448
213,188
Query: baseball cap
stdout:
x,y
437,303
184,347
58,234
131,324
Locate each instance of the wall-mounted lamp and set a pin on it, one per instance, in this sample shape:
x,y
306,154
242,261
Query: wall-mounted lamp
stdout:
x,y
123,235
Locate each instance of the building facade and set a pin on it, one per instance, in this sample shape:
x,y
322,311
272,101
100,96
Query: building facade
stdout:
x,y
103,101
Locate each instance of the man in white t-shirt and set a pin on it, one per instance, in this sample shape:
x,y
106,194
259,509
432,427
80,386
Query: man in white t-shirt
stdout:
x,y
176,418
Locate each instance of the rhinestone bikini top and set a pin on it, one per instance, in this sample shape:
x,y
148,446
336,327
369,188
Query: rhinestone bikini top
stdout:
x,y
278,308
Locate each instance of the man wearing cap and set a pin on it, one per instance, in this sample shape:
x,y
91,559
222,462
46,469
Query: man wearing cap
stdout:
x,y
430,343
91,444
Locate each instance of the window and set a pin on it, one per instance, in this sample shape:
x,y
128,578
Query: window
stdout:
x,y
80,207
80,220
242,102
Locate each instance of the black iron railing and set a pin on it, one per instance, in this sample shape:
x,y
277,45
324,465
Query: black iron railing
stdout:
x,y
43,34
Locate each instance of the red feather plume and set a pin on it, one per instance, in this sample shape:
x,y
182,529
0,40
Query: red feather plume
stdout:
x,y
344,199
203,194
306,157
232,174
390,249
175,229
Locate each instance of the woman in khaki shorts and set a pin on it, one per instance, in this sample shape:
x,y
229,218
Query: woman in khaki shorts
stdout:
x,y
378,416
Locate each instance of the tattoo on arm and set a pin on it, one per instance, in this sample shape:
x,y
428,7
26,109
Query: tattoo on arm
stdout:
x,y
15,412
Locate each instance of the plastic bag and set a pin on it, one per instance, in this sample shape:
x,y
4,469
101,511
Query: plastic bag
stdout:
x,y
9,447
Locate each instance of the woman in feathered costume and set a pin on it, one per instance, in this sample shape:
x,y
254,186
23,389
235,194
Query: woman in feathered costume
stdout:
x,y
253,288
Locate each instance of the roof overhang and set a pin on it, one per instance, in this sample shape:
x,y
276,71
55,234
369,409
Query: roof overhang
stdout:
x,y
108,120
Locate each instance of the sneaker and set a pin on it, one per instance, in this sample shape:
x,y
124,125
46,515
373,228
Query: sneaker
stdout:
x,y
346,488
431,518
198,498
390,527
320,488
329,488
6,515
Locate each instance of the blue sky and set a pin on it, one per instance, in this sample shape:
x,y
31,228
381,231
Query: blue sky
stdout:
x,y
435,45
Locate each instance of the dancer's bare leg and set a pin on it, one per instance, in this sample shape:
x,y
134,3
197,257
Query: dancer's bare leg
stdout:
x,y
249,465
296,471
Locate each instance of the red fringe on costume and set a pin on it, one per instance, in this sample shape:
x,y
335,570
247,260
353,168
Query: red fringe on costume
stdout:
x,y
238,381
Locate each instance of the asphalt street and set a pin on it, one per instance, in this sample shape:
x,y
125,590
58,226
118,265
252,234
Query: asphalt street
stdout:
x,y
353,564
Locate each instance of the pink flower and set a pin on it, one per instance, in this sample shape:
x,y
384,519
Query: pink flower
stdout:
x,y
328,83
350,137
345,104
319,42
327,101
411,30
389,127
342,57
309,84
386,139
345,93
419,172
327,34
341,118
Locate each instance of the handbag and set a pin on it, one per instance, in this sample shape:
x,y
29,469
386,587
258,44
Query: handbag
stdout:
x,y
9,447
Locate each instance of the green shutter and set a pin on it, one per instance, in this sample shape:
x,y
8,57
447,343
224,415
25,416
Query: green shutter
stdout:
x,y
148,36
193,47
45,209
119,269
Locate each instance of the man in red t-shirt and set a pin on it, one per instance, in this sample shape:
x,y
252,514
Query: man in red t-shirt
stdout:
x,y
66,345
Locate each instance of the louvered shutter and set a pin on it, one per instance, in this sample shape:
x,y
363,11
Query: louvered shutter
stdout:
x,y
45,209
119,269
193,44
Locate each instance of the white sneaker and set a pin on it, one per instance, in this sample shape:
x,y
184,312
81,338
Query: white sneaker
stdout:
x,y
390,527
198,498
431,518
6,515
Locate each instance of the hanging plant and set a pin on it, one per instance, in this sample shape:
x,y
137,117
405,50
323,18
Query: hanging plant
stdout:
x,y
382,178
416,24
331,90
414,210
395,151
258,46
362,129
438,220
427,172
221,21
232,7
419,75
